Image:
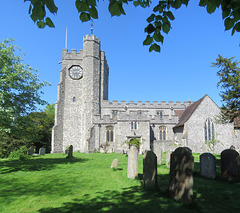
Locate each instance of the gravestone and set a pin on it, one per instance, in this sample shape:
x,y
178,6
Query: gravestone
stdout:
x,y
230,164
208,165
70,151
42,151
158,152
114,164
181,175
188,149
132,171
30,151
150,170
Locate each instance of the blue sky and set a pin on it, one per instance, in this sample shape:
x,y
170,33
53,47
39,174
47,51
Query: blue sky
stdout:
x,y
182,69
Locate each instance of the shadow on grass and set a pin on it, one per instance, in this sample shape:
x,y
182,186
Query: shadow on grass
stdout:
x,y
210,196
132,199
36,164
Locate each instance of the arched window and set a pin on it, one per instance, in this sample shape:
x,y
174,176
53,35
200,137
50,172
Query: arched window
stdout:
x,y
162,133
109,134
209,130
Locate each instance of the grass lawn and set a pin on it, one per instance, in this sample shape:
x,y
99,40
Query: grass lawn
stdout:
x,y
87,184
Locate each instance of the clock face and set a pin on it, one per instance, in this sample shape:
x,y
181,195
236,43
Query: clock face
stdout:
x,y
76,72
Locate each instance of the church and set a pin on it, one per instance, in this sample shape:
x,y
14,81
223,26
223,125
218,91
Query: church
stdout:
x,y
86,119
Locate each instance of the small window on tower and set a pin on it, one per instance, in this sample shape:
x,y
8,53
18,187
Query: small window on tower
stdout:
x,y
160,114
134,125
74,99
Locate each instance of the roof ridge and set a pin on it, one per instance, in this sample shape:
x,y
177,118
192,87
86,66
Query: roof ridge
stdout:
x,y
189,111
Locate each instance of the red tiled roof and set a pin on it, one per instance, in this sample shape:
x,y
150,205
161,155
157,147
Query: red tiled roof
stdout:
x,y
179,112
188,112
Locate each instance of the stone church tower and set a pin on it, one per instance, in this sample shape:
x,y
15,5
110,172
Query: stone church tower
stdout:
x,y
83,85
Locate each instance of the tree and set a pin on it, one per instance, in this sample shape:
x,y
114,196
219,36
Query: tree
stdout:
x,y
19,87
159,21
39,128
19,95
229,74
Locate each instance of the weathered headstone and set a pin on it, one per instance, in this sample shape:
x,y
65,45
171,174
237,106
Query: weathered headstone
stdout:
x,y
181,175
158,152
187,148
132,163
208,165
230,164
150,170
42,151
114,164
70,151
30,151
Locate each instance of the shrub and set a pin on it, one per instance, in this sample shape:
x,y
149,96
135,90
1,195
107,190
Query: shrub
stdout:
x,y
19,154
134,142
9,144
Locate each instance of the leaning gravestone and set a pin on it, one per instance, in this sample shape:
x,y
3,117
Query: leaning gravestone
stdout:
x,y
181,175
42,151
70,152
132,171
158,152
230,164
30,151
208,165
114,164
150,170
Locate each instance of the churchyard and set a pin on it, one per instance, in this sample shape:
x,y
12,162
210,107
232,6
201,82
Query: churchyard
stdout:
x,y
87,183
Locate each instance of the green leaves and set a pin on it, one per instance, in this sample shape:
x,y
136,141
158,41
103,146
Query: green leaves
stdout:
x,y
142,3
19,86
148,40
51,6
158,37
170,15
49,22
116,7
230,12
229,74
159,21
37,11
229,23
87,9
154,47
41,24
211,7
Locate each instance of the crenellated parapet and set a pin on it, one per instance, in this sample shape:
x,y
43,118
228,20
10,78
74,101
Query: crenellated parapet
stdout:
x,y
72,55
91,38
147,104
105,119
